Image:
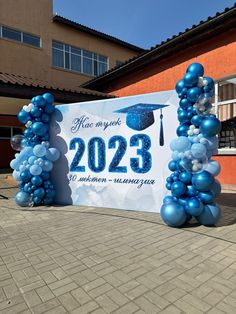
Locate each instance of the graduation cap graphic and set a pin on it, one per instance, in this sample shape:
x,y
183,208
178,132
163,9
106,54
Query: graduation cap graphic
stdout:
x,y
140,117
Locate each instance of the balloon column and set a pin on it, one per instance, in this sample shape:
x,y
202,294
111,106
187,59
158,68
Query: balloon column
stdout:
x,y
33,164
192,183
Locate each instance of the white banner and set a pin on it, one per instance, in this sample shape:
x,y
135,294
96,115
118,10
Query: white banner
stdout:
x,y
115,152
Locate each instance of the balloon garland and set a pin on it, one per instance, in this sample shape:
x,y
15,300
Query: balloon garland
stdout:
x,y
33,164
192,183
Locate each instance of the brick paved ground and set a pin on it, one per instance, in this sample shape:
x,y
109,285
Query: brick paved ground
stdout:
x,y
90,260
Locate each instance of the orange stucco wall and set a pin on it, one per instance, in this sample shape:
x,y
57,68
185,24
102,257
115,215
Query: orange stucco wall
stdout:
x,y
218,56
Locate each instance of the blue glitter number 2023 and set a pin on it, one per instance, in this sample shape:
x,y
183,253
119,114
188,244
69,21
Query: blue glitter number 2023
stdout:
x,y
97,154
143,152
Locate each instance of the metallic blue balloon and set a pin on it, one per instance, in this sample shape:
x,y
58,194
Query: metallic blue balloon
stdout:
x,y
182,129
185,177
191,191
184,103
168,199
210,126
193,94
39,192
178,188
196,120
190,79
39,101
45,118
210,82
196,68
210,215
206,197
182,200
172,165
49,109
39,128
45,175
35,112
213,167
22,199
25,176
168,186
179,86
28,133
203,181
37,180
37,200
193,206
173,214
183,116
216,188
23,116
48,97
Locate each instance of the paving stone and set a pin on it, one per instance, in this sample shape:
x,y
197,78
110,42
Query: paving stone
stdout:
x,y
86,308
81,296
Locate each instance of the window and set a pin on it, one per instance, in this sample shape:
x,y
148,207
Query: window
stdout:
x,y
6,132
225,110
13,34
79,60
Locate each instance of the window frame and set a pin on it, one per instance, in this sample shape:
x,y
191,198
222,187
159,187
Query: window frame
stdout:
x,y
11,129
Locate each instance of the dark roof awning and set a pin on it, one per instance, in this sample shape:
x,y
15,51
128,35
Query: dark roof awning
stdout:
x,y
18,86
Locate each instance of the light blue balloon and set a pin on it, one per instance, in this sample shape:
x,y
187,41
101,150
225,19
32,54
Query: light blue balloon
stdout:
x,y
173,214
32,159
213,167
210,215
175,155
23,199
13,164
212,142
52,154
198,150
48,165
16,175
180,144
35,170
22,168
39,150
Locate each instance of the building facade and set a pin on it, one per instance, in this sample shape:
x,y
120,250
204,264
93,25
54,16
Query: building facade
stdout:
x,y
45,52
212,43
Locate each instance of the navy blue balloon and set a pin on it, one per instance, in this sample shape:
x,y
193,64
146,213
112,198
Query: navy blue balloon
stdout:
x,y
196,120
172,165
190,79
179,86
203,181
185,177
45,118
206,197
173,214
182,129
193,206
48,97
193,94
39,101
196,68
23,116
210,215
210,126
178,188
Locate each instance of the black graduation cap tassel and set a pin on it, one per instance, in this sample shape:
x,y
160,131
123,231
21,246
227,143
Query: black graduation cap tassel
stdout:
x,y
161,138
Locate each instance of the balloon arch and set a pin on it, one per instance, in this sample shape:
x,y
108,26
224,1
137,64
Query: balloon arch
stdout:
x,y
192,183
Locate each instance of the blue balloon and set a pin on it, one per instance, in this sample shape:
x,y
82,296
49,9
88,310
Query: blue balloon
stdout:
x,y
39,150
25,176
182,129
39,128
180,144
173,214
191,191
16,175
196,68
216,188
203,181
32,159
184,103
48,97
23,116
40,101
45,175
190,79
210,126
48,165
193,206
212,142
22,199
37,180
213,167
35,112
168,199
28,133
172,165
48,200
37,200
179,86
168,186
45,118
183,116
210,215
35,170
178,188
50,193
193,94
185,177
49,109
210,82
40,192
182,200
196,120
206,197
198,150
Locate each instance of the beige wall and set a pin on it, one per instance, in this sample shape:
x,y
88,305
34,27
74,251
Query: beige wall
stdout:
x,y
35,16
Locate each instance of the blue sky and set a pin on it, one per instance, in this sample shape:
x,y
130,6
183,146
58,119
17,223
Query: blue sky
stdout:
x,y
144,23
